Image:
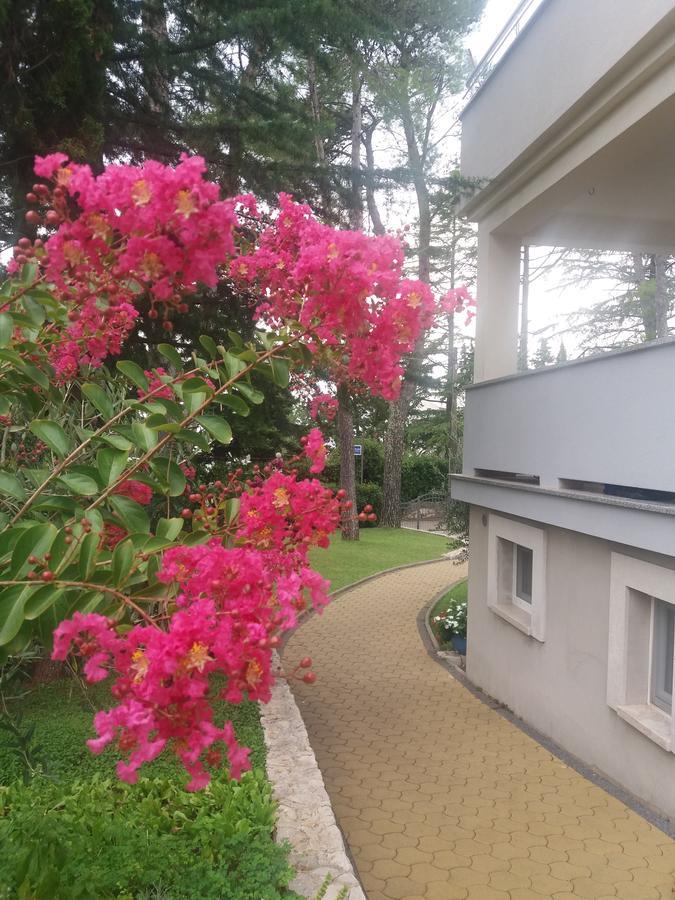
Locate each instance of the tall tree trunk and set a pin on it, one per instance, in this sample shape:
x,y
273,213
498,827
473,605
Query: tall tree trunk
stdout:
x,y
356,204
155,77
235,152
523,349
373,211
350,523
394,439
315,105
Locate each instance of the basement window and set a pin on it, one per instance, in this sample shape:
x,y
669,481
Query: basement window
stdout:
x,y
641,652
517,574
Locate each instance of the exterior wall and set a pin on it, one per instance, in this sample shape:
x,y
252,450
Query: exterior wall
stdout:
x,y
600,420
559,686
576,39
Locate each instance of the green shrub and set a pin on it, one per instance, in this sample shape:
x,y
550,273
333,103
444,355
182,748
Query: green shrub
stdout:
x,y
422,474
100,838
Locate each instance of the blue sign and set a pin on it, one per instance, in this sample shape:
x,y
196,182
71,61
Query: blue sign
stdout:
x,y
358,449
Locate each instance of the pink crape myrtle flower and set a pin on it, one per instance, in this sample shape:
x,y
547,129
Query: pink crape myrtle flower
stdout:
x,y
457,300
323,405
152,230
135,490
315,450
343,288
231,606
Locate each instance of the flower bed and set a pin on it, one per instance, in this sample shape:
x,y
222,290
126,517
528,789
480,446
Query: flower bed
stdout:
x,y
448,615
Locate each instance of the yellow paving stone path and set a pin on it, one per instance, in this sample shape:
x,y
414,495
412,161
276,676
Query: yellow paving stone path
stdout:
x,y
440,797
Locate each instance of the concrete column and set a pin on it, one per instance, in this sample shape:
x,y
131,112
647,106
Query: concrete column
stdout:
x,y
497,300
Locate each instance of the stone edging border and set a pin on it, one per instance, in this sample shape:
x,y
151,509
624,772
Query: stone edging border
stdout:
x,y
305,816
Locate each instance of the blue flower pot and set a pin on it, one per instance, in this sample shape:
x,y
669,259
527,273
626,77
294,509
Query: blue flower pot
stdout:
x,y
459,644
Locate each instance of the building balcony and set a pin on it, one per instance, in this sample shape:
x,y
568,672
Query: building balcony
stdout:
x,y
589,446
560,64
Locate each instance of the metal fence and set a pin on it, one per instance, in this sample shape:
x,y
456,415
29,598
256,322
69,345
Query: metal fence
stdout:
x,y
426,513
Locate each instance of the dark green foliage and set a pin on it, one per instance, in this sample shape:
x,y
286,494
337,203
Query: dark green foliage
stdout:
x,y
100,838
373,463
422,474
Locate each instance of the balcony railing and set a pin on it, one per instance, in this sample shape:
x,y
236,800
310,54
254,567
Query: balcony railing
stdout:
x,y
601,425
501,44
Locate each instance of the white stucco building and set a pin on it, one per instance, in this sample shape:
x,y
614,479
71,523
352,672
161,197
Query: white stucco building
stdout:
x,y
570,471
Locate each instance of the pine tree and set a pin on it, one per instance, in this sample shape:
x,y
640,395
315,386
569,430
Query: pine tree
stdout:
x,y
543,356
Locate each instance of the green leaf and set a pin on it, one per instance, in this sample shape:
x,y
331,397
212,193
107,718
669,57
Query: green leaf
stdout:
x,y
195,384
34,308
6,329
35,375
88,553
251,393
56,503
111,463
34,541
158,422
170,473
209,345
41,600
238,404
52,434
12,602
145,437
122,561
10,484
193,437
172,355
83,485
233,363
132,515
99,399
281,371
169,528
116,440
133,372
219,428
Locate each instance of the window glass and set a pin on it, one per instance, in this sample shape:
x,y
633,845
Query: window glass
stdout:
x,y
663,650
524,573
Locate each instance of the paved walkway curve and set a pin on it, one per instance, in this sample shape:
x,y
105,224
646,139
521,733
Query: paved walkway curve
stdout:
x,y
440,797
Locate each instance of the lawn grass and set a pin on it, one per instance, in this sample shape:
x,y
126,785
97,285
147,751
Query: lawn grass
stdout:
x,y
459,591
62,712
377,549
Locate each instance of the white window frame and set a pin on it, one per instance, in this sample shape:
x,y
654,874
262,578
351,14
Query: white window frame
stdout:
x,y
530,618
634,587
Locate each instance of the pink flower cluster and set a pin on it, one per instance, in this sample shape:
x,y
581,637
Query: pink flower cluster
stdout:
x,y
458,300
315,450
232,605
344,289
133,230
323,405
135,490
